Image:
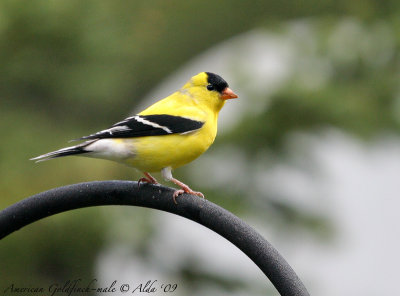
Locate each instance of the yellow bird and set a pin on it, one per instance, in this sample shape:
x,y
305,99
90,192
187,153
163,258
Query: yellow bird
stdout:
x,y
170,133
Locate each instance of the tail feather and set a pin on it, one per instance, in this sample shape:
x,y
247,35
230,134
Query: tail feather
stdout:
x,y
73,150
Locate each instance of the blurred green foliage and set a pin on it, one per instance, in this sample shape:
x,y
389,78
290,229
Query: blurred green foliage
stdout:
x,y
69,68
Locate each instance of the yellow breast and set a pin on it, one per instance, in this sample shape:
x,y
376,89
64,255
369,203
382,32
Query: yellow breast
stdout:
x,y
154,153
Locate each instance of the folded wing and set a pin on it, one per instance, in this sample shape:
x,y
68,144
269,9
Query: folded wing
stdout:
x,y
148,125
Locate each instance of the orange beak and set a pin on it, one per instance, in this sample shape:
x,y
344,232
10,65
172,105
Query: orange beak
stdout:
x,y
227,94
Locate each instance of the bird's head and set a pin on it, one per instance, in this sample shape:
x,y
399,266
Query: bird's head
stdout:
x,y
209,89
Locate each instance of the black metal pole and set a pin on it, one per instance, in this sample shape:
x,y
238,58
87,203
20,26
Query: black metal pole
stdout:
x,y
157,197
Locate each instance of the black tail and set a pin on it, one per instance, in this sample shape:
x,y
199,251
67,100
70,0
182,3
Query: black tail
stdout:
x,y
73,150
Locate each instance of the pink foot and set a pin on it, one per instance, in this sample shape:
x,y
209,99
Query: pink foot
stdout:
x,y
148,179
185,189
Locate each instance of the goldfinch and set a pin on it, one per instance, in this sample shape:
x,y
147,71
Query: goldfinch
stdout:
x,y
170,133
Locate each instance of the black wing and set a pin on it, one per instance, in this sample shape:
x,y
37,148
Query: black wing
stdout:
x,y
148,125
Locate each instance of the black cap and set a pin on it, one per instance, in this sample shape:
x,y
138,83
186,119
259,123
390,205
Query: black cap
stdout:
x,y
218,83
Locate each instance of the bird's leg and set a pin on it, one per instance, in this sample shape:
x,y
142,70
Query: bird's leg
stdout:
x,y
148,179
167,174
185,189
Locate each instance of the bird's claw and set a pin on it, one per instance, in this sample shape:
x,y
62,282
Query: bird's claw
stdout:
x,y
144,180
148,179
188,191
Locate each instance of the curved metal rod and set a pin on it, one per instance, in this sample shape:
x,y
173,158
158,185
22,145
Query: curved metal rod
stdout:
x,y
157,197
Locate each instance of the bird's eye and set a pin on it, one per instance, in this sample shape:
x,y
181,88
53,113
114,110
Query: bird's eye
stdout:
x,y
210,87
